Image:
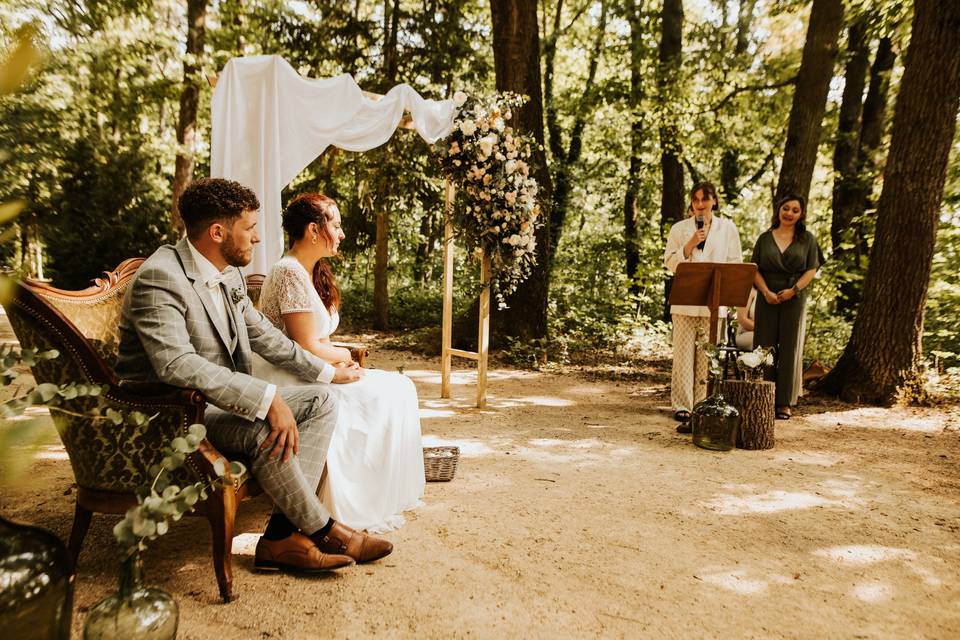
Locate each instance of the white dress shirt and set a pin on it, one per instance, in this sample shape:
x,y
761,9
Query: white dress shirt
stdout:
x,y
722,245
211,278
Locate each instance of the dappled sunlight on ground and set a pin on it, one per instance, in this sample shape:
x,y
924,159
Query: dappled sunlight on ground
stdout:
x,y
245,544
52,452
880,418
468,447
744,499
869,554
459,377
814,458
740,580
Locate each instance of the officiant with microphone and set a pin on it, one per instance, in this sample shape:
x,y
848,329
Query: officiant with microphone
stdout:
x,y
704,236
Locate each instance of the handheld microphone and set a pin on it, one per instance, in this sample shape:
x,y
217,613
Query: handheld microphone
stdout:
x,y
700,222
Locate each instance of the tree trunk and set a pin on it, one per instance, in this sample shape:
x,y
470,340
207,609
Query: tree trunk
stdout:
x,y
871,135
630,236
755,402
810,97
189,101
381,295
381,262
881,361
744,21
516,55
845,185
565,161
673,197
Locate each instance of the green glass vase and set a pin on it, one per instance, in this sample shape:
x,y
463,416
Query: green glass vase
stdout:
x,y
714,422
133,611
36,584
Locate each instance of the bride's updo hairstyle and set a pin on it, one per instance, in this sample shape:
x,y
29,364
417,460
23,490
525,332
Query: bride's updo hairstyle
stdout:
x,y
300,212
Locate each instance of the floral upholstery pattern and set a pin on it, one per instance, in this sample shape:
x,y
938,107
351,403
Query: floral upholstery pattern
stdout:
x,y
104,456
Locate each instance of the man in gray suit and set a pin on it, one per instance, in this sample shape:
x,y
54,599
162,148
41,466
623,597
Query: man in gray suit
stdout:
x,y
188,322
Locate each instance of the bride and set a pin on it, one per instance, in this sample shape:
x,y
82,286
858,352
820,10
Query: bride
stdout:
x,y
375,460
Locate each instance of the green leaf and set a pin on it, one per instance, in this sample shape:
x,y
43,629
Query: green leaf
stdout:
x,y
180,444
219,467
47,391
162,527
15,68
198,430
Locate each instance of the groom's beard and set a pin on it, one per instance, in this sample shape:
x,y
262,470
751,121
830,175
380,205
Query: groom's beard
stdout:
x,y
234,255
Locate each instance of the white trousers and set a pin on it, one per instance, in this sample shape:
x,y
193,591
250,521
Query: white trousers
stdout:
x,y
688,383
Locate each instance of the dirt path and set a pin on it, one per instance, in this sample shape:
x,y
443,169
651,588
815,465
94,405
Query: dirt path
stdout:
x,y
577,511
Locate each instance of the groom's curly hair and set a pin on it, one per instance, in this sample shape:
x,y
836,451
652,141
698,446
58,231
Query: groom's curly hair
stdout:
x,y
210,200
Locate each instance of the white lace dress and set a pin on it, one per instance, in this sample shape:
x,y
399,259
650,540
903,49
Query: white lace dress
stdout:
x,y
375,461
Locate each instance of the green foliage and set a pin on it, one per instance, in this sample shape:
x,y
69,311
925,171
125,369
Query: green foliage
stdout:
x,y
162,502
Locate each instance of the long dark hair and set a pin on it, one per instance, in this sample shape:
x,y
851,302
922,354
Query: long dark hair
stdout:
x,y
300,212
801,228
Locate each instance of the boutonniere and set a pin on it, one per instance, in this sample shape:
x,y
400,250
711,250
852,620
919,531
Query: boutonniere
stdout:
x,y
236,294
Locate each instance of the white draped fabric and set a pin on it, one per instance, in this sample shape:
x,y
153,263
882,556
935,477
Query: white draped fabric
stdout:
x,y
269,123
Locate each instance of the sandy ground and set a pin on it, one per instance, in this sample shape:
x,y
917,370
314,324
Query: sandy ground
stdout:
x,y
577,511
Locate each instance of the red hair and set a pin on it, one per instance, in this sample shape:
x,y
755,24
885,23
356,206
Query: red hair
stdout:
x,y
300,212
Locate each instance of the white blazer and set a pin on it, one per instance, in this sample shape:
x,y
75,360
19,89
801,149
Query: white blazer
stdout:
x,y
722,245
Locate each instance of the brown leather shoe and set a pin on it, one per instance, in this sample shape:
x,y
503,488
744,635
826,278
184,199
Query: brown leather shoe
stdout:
x,y
296,553
358,545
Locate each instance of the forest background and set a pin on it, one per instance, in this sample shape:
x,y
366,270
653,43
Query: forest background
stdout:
x,y
635,101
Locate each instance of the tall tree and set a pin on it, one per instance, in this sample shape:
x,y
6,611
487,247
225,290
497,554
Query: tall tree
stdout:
x,y
634,99
189,101
846,177
855,251
672,198
744,22
881,361
381,300
810,97
516,57
566,159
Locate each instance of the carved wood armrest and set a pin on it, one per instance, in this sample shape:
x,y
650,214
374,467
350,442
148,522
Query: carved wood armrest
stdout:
x,y
358,352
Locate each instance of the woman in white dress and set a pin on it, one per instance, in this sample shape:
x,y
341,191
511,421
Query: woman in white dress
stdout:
x,y
375,462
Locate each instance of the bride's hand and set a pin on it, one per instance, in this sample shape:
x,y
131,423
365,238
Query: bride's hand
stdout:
x,y
346,374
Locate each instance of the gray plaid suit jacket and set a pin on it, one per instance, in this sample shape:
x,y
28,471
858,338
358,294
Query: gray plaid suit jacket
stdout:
x,y
171,332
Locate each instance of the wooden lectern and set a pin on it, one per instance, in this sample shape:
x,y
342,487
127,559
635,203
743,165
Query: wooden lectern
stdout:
x,y
712,285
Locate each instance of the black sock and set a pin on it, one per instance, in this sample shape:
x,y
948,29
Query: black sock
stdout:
x,y
279,527
324,530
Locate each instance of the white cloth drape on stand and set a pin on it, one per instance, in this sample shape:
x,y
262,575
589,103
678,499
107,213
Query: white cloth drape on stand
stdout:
x,y
269,123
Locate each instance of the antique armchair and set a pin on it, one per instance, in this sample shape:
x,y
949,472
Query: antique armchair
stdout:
x,y
255,282
110,461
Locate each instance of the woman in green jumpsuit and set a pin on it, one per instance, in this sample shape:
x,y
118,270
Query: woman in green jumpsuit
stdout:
x,y
787,258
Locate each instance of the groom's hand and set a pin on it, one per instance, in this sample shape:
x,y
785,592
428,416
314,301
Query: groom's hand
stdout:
x,y
284,437
345,374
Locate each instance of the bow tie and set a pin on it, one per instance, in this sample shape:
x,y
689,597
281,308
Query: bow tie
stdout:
x,y
215,280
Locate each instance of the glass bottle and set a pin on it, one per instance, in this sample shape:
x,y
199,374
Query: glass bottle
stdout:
x,y
714,422
133,611
36,583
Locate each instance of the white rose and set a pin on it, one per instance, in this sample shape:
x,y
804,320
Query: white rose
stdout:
x,y
498,124
468,128
510,166
486,144
459,98
751,360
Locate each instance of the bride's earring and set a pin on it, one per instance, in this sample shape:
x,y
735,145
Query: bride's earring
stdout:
x,y
314,239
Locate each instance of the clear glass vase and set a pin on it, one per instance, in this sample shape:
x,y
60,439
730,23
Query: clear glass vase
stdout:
x,y
714,422
133,611
36,583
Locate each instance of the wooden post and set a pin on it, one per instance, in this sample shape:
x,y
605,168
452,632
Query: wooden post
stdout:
x,y
483,332
449,192
755,401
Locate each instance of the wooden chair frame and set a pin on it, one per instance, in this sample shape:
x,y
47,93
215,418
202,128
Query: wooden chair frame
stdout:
x,y
220,508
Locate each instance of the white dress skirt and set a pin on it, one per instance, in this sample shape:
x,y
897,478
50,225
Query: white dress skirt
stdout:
x,y
375,461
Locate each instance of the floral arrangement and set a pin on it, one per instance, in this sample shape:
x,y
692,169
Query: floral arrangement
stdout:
x,y
751,363
497,210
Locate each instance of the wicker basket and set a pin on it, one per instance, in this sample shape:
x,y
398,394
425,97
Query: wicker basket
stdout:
x,y
440,463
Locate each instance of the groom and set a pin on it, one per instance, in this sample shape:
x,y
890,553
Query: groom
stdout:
x,y
187,322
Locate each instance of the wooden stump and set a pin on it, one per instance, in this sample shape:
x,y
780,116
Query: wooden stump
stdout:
x,y
755,401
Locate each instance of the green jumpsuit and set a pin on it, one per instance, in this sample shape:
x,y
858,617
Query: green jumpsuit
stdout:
x,y
778,325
